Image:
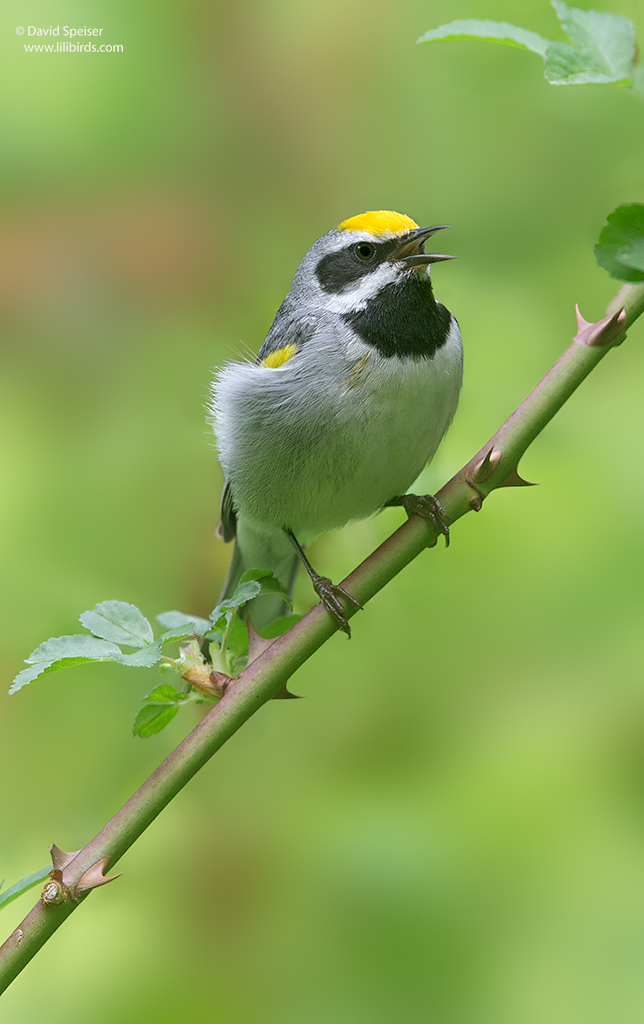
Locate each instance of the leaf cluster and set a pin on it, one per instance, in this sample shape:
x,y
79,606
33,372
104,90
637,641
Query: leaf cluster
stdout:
x,y
602,47
218,644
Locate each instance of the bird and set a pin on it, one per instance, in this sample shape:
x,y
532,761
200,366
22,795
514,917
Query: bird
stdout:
x,y
354,387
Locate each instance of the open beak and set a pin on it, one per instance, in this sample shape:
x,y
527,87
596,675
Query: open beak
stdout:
x,y
411,248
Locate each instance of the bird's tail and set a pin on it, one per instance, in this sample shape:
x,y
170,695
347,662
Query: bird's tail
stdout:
x,y
259,546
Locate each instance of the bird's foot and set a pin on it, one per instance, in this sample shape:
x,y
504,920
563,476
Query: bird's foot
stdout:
x,y
331,596
427,507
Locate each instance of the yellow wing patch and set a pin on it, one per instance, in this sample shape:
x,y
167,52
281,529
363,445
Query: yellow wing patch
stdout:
x,y
279,356
379,222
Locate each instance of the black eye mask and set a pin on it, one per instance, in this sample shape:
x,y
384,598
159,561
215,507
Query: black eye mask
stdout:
x,y
339,269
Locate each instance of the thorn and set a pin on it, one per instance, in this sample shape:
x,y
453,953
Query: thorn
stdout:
x,y
256,643
59,858
484,469
285,694
481,471
94,877
581,323
601,333
514,480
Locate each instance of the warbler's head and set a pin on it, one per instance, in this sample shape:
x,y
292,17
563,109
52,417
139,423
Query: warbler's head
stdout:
x,y
361,256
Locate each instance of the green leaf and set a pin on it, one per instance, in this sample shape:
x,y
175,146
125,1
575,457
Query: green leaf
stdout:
x,y
152,719
44,667
23,885
268,581
28,675
279,626
181,632
146,657
164,693
80,646
174,620
602,50
620,249
493,31
244,592
237,639
120,622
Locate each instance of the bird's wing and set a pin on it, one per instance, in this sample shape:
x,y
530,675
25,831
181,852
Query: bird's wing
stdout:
x,y
228,515
289,328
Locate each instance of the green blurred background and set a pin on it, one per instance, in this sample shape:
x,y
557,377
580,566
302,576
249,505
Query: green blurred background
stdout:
x,y
450,827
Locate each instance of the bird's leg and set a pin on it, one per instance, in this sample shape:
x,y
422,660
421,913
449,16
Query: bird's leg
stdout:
x,y
330,594
427,507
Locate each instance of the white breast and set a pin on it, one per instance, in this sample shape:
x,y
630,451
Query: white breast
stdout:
x,y
334,433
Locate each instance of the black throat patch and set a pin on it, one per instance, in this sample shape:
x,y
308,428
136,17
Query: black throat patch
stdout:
x,y
403,319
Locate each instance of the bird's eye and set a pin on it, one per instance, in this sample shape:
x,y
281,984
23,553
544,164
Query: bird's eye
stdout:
x,y
364,250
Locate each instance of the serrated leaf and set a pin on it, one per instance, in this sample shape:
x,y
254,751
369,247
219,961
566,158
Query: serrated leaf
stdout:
x,y
620,249
45,667
602,50
269,583
82,646
23,885
146,657
120,622
28,675
164,693
180,633
174,620
492,31
220,615
244,592
152,719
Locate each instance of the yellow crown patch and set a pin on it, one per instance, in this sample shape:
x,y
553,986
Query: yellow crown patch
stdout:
x,y
379,222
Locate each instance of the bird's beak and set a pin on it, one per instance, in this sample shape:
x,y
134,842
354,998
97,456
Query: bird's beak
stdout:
x,y
410,250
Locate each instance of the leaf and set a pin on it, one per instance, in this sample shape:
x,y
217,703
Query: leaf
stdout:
x,y
268,581
120,622
146,657
80,646
244,592
279,626
62,652
180,632
28,675
602,46
493,31
164,693
237,640
602,50
152,719
23,885
174,620
620,249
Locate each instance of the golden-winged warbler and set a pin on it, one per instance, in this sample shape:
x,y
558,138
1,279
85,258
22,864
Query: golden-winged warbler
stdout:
x,y
348,399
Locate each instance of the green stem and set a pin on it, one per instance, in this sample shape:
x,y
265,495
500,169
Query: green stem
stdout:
x,y
262,680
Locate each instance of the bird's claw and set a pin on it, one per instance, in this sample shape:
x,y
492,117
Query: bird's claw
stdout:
x,y
428,507
331,595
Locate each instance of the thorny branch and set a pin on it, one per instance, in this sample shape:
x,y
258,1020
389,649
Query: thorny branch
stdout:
x,y
271,665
